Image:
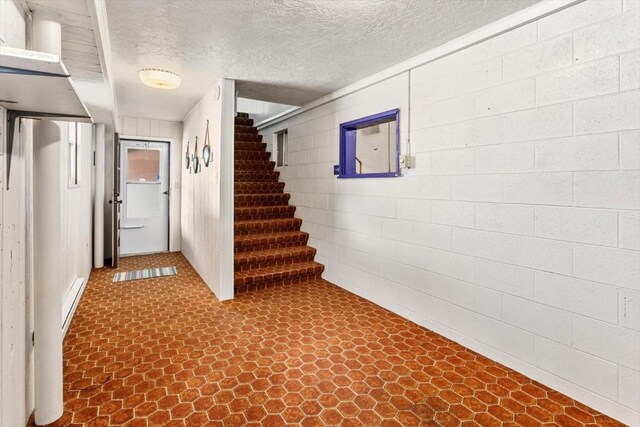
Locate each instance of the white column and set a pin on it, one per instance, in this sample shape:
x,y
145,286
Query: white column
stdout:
x,y
49,140
47,32
98,202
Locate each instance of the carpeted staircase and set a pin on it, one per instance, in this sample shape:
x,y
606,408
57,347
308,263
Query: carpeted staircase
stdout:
x,y
269,247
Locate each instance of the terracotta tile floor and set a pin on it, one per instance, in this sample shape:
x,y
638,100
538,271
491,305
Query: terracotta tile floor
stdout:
x,y
165,352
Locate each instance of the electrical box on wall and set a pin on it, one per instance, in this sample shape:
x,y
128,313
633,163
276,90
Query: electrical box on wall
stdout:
x,y
407,161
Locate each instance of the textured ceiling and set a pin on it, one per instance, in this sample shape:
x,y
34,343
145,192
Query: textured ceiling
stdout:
x,y
286,51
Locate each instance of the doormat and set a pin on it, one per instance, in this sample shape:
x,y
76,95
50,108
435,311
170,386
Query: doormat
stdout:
x,y
147,273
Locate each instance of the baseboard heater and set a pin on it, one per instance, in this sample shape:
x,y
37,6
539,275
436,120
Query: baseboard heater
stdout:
x,y
71,303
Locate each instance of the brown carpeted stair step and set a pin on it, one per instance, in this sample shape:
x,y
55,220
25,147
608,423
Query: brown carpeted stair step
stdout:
x,y
273,257
254,165
250,146
274,199
245,129
246,137
261,242
242,115
263,212
306,278
244,228
269,248
298,272
256,176
242,121
258,187
251,155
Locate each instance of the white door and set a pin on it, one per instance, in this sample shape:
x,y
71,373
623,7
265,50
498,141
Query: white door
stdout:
x,y
144,225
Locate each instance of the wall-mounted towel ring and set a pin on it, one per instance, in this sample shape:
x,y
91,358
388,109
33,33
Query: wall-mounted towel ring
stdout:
x,y
206,150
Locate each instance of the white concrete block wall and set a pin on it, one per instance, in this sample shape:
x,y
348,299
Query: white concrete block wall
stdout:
x,y
518,231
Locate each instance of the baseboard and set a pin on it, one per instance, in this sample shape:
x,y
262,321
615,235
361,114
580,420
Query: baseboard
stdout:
x,y
71,303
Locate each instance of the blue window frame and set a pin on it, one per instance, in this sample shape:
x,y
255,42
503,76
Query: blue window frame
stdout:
x,y
350,165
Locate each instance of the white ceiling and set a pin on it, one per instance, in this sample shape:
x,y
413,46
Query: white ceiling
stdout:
x,y
285,51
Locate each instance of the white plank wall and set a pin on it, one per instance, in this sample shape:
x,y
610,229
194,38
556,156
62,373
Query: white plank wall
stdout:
x,y
206,231
16,393
201,192
13,293
78,218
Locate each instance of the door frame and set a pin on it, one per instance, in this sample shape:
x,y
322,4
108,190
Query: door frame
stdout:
x,y
115,202
169,142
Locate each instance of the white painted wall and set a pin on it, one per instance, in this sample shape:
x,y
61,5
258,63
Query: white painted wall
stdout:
x,y
16,244
207,197
518,232
261,110
78,215
13,24
16,400
16,316
148,128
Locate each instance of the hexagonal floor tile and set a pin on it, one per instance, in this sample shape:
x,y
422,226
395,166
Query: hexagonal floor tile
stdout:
x,y
165,351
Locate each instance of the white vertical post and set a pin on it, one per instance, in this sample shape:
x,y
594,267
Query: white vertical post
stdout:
x,y
98,202
47,32
225,222
49,139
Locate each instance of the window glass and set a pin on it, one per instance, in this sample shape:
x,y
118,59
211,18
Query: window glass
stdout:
x,y
376,148
73,164
143,165
281,148
369,147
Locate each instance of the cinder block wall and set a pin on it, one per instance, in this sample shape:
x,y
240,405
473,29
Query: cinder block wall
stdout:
x,y
518,232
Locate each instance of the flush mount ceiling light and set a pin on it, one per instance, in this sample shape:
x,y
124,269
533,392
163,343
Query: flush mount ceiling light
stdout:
x,y
160,79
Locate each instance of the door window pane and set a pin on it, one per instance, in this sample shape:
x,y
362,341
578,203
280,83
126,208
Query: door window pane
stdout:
x,y
370,146
143,165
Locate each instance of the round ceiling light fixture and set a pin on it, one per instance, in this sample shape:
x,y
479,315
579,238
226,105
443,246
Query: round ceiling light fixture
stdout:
x,y
160,79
